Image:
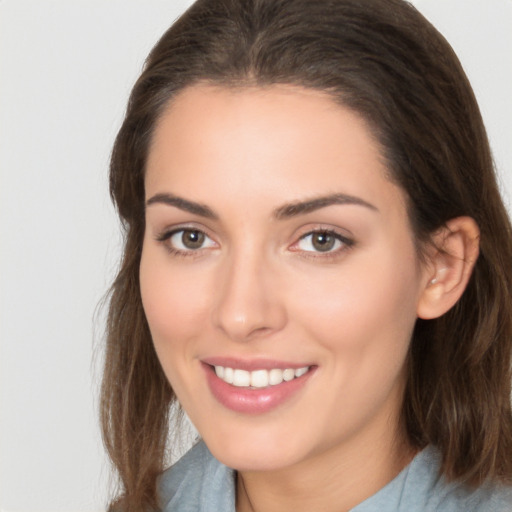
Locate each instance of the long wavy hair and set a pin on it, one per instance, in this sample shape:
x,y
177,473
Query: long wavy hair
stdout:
x,y
385,61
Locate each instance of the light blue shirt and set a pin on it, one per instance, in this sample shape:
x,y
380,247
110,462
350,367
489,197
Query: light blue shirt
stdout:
x,y
200,483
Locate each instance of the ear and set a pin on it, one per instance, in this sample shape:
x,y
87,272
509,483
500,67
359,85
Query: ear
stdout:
x,y
454,253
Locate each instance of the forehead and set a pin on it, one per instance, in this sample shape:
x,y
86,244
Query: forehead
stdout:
x,y
277,140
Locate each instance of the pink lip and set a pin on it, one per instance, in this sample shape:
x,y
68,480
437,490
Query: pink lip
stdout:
x,y
253,401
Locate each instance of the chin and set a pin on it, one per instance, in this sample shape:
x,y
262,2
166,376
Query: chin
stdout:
x,y
264,452
253,460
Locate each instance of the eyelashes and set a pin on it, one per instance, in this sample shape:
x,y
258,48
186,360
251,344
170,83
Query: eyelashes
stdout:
x,y
317,243
186,241
322,241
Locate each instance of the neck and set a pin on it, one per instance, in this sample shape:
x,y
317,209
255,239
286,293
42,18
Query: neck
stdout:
x,y
332,481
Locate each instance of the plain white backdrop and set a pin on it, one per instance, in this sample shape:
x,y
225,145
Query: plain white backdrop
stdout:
x,y
66,68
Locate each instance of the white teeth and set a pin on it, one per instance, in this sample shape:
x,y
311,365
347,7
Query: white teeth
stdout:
x,y
241,378
301,371
228,375
288,374
258,378
275,376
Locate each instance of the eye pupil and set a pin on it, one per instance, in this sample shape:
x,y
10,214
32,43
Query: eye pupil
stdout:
x,y
323,241
192,239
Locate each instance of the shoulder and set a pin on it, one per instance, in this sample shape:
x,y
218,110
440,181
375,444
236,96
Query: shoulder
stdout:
x,y
198,483
421,488
454,496
441,495
488,498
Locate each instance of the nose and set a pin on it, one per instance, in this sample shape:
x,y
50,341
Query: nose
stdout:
x,y
248,301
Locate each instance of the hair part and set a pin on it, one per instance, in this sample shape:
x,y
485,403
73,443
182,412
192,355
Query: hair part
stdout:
x,y
383,60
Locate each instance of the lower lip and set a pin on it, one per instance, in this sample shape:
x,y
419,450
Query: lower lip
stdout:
x,y
253,401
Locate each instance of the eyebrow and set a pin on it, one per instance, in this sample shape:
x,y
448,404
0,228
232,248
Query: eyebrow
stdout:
x,y
302,207
183,204
283,212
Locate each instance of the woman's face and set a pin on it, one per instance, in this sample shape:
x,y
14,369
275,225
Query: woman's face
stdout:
x,y
278,255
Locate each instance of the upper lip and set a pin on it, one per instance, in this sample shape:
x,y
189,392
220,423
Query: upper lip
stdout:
x,y
252,364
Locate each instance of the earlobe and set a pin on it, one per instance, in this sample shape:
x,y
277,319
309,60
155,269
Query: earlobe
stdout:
x,y
454,254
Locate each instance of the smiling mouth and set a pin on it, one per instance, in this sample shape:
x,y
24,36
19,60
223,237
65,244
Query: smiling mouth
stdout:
x,y
258,379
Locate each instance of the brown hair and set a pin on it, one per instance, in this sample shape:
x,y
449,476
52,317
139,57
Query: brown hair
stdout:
x,y
382,59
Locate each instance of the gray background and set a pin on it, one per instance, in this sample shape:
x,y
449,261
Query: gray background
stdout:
x,y
66,67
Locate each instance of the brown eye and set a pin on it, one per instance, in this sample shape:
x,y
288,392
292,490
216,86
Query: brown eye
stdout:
x,y
323,241
187,240
192,239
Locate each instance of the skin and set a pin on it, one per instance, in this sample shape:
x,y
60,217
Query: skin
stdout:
x,y
257,288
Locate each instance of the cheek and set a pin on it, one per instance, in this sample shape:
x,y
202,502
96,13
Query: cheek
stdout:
x,y
175,306
175,303
362,318
362,305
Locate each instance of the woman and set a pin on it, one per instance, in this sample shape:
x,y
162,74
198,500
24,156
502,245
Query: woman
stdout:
x,y
316,268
